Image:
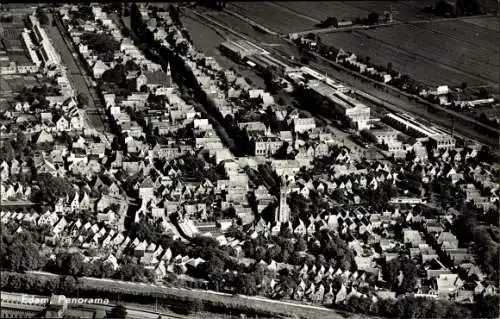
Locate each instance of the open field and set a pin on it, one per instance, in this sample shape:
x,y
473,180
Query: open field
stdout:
x,y
297,14
445,47
271,16
484,40
488,23
445,52
320,10
422,70
244,28
403,10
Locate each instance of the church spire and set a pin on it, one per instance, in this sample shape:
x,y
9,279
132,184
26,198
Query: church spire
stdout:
x,y
169,74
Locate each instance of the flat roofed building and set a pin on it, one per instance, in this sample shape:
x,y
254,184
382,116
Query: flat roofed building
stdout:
x,y
385,134
303,124
443,141
241,49
355,111
411,126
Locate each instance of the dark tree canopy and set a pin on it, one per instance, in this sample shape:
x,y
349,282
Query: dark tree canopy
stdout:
x,y
118,312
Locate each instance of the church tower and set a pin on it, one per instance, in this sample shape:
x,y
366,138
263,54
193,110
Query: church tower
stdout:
x,y
169,75
283,212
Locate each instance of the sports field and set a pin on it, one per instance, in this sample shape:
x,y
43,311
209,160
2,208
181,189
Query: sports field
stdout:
x,y
488,23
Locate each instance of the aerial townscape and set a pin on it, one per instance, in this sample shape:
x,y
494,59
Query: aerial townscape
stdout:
x,y
300,159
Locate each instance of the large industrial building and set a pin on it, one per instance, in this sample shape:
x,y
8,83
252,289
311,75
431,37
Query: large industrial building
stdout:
x,y
241,49
356,112
47,51
411,126
254,56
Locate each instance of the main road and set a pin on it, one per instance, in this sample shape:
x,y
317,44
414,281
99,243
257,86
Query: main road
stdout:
x,y
81,81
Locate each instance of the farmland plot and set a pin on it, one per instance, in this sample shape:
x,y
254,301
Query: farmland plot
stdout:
x,y
320,10
423,70
271,16
462,57
405,10
240,26
468,33
488,23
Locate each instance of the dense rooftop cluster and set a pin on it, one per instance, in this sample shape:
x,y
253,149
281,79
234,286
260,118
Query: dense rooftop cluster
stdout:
x,y
208,182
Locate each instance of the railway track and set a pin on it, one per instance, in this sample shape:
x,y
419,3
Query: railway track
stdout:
x,y
389,100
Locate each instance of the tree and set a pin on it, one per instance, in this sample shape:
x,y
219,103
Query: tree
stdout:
x,y
484,93
174,14
301,244
51,188
130,65
118,312
260,253
463,86
328,22
82,99
21,140
22,256
389,67
42,17
7,152
183,48
67,285
91,269
304,60
487,307
245,284
108,56
101,43
192,306
391,270
437,309
107,270
71,264
273,252
373,18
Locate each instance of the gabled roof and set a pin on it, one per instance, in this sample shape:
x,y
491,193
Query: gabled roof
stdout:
x,y
147,183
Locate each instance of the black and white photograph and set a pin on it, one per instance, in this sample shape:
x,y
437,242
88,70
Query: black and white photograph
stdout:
x,y
252,159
